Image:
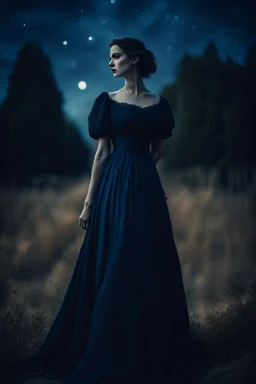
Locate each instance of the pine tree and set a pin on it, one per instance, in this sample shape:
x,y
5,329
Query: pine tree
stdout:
x,y
33,125
215,112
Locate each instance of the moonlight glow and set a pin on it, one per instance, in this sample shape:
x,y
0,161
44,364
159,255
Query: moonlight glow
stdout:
x,y
82,85
65,42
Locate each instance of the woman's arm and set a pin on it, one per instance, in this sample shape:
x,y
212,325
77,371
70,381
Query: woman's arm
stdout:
x,y
156,149
155,157
156,152
99,162
97,168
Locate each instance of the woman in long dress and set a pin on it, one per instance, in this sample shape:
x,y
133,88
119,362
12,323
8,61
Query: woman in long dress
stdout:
x,y
124,317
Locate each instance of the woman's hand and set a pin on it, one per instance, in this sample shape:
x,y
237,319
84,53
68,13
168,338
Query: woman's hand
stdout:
x,y
84,218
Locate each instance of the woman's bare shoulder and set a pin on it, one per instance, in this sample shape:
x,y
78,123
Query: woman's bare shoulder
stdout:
x,y
115,93
112,94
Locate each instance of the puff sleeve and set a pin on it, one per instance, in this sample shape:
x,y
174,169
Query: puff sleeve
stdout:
x,y
98,119
167,121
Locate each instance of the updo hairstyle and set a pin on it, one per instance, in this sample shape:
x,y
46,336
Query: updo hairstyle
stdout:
x,y
146,64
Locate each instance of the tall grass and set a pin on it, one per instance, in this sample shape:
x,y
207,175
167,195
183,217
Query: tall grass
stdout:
x,y
214,232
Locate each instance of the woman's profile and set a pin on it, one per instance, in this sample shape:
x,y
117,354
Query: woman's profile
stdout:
x,y
124,317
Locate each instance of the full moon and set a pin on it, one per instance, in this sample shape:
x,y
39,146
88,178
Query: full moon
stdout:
x,y
82,85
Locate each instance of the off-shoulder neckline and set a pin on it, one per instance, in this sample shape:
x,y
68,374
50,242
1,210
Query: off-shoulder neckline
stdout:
x,y
135,105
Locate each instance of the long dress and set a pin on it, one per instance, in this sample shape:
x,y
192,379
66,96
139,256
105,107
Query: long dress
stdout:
x,y
124,317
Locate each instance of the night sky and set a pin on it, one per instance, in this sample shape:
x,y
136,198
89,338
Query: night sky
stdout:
x,y
75,34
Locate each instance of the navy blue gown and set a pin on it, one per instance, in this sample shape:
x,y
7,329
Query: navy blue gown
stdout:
x,y
124,317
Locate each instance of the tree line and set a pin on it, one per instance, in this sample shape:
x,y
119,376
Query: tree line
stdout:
x,y
214,105
213,102
36,136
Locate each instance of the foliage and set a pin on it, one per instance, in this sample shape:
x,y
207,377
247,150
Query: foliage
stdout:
x,y
37,137
214,109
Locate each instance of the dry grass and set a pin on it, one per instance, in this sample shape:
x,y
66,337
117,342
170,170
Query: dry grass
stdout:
x,y
214,233
223,346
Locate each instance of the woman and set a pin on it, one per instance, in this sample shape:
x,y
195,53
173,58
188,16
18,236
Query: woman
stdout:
x,y
124,317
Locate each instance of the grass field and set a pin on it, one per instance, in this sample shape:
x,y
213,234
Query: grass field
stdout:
x,y
215,236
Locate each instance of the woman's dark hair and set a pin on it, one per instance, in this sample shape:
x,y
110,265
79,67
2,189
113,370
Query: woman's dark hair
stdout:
x,y
134,47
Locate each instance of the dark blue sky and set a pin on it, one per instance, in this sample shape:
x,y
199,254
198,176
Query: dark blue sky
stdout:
x,y
169,28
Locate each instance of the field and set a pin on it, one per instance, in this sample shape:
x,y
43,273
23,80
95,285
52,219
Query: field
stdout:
x,y
215,236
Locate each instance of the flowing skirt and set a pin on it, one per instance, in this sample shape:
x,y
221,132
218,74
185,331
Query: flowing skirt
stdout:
x,y
124,317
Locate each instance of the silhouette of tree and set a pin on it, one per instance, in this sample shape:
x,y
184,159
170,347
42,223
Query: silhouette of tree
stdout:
x,y
78,158
33,126
215,107
211,51
249,124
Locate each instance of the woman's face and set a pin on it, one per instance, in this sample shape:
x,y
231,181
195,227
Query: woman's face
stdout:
x,y
119,61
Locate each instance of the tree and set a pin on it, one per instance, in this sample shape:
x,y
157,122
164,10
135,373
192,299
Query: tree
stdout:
x,y
214,111
33,126
211,52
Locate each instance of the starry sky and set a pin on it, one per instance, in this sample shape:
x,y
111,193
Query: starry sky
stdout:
x,y
75,34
